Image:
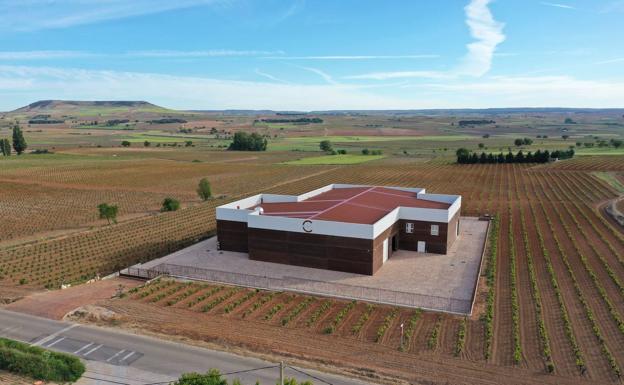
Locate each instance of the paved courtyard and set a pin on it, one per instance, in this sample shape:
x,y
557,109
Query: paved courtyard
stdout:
x,y
432,281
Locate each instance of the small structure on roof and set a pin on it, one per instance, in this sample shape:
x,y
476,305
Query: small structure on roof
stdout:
x,y
351,228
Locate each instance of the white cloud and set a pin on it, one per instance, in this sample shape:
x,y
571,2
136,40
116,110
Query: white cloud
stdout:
x,y
557,5
610,61
43,55
270,77
402,75
197,54
355,57
488,34
29,15
327,77
534,91
20,85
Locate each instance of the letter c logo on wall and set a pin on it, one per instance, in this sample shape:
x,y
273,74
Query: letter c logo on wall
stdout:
x,y
307,226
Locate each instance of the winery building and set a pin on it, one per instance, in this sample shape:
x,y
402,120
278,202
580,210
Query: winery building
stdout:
x,y
351,228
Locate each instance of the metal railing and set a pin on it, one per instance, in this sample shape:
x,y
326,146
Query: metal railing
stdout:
x,y
309,286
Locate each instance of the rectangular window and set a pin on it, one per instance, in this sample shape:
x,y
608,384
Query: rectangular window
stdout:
x,y
409,227
435,230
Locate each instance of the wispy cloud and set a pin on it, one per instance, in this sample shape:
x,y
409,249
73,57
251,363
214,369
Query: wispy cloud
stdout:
x,y
327,77
198,54
29,15
557,5
22,84
402,75
610,61
43,55
355,57
270,77
488,34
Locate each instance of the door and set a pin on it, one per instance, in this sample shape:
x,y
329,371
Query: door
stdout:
x,y
385,250
395,246
421,246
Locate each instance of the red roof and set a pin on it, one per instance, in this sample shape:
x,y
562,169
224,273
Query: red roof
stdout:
x,y
353,205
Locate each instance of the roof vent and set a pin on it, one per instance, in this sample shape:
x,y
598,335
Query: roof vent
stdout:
x,y
260,210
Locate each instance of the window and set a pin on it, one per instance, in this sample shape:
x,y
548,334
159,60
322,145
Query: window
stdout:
x,y
435,230
409,227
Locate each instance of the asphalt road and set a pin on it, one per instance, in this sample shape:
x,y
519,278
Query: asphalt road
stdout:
x,y
118,357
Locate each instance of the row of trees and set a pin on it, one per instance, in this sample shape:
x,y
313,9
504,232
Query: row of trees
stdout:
x,y
109,212
464,156
19,143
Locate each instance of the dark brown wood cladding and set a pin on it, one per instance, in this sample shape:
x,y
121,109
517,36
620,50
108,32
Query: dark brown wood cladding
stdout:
x,y
352,255
232,235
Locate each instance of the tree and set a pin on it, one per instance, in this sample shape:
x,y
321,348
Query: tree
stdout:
x,y
565,137
203,189
365,151
108,212
188,143
243,141
463,155
19,143
326,146
518,142
125,143
481,145
146,144
617,143
485,136
5,147
170,204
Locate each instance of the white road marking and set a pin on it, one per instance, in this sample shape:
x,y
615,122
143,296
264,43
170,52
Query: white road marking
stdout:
x,y
83,348
55,342
54,335
127,356
116,354
92,350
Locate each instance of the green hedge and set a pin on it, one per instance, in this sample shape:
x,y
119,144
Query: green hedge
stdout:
x,y
38,363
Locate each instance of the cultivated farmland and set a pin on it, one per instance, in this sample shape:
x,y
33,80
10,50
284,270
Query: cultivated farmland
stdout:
x,y
550,307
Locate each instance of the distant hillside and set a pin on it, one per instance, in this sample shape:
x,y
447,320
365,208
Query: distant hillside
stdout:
x,y
73,105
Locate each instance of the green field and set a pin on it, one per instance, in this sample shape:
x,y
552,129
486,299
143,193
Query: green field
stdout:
x,y
336,159
600,151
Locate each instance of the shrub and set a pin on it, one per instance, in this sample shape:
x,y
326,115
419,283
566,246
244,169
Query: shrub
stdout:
x,y
38,363
170,204
203,189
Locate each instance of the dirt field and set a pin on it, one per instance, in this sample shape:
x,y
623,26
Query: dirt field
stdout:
x,y
296,327
56,304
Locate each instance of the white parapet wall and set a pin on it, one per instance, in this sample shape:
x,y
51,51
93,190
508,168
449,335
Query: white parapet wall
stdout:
x,y
302,225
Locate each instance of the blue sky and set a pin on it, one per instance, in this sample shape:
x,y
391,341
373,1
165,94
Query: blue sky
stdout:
x,y
314,54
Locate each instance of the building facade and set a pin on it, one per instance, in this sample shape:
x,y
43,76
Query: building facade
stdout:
x,y
350,228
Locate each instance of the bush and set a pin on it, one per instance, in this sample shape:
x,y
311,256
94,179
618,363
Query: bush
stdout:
x,y
203,189
125,143
170,204
41,364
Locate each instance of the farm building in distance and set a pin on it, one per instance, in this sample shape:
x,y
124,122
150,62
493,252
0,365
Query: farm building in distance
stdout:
x,y
349,228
